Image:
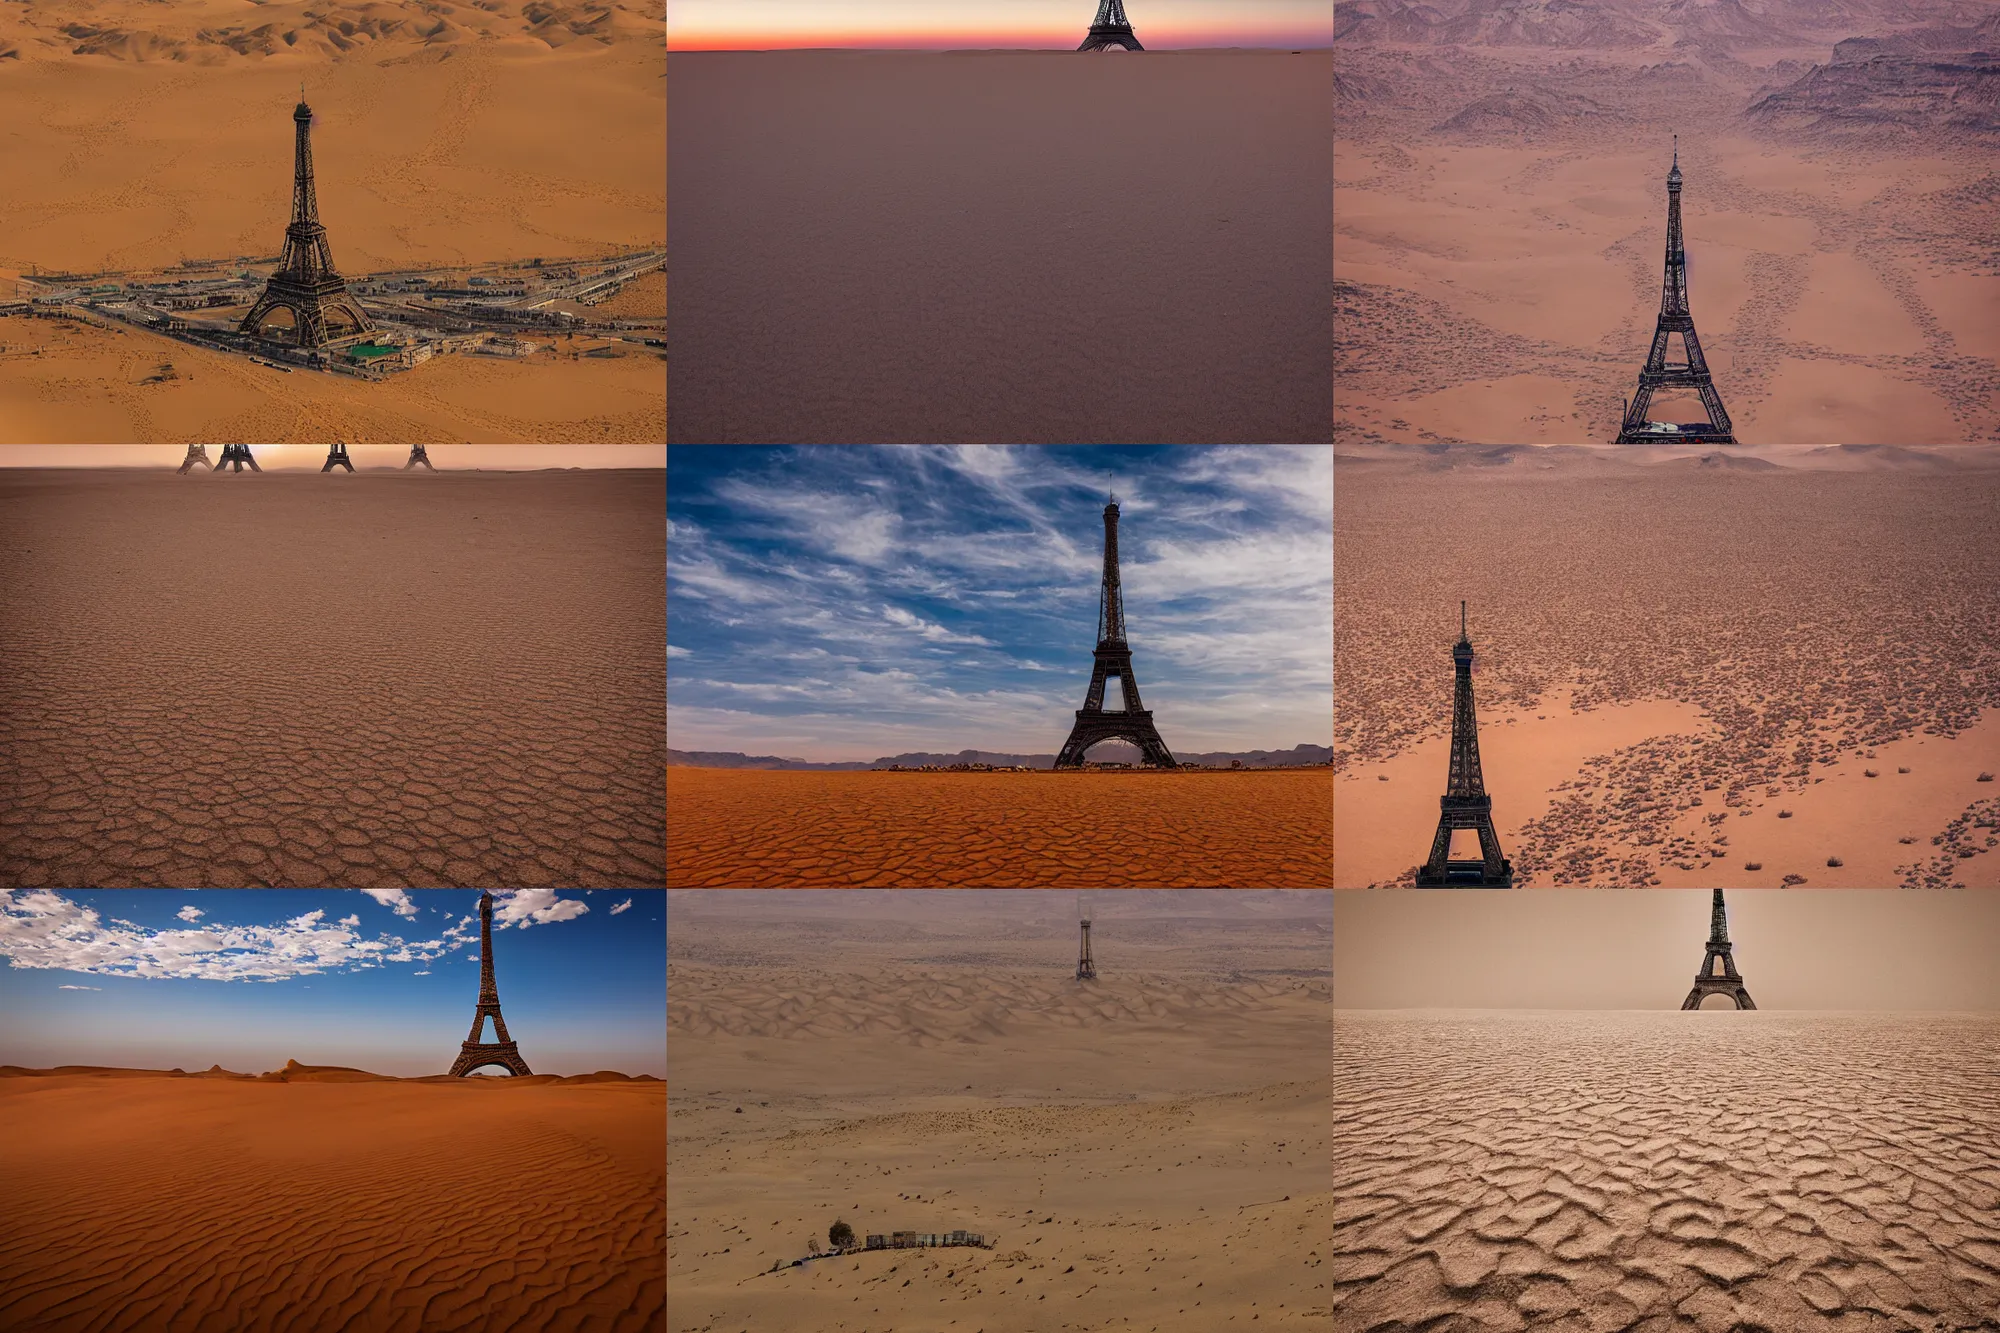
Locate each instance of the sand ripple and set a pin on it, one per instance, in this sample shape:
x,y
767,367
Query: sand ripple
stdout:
x,y
1641,1171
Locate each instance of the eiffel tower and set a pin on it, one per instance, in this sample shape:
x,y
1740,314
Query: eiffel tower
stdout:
x,y
1718,970
1113,658
475,1053
1658,372
1112,28
197,453
417,455
305,282
238,454
1465,804
1086,966
337,457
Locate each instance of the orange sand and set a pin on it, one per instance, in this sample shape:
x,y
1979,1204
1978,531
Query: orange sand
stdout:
x,y
738,828
152,1203
1636,1170
299,680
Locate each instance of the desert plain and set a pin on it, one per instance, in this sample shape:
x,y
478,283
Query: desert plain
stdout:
x,y
1146,1151
1500,206
315,1199
288,679
1731,667
757,828
971,246
138,136
1501,1170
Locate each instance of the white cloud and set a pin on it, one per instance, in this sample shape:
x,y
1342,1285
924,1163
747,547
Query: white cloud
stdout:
x,y
672,651
350,921
396,898
621,907
189,914
426,972
43,929
79,988
528,907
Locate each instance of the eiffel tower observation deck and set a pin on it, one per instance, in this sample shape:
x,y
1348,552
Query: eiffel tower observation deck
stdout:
x,y
1110,29
1689,373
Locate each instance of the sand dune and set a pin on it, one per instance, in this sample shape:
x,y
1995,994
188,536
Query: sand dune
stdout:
x,y
761,828
1724,601
1147,1151
1629,1170
174,1205
426,679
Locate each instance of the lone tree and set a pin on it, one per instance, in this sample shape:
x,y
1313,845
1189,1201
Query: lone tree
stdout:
x,y
841,1235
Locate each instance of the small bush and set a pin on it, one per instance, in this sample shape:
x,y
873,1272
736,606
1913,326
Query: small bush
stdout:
x,y
1833,860
1753,865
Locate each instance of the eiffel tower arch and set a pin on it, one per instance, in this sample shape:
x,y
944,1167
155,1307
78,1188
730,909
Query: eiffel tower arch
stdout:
x,y
417,455
305,285
1718,975
474,1053
1113,657
1465,804
337,457
1110,29
197,453
239,454
1658,372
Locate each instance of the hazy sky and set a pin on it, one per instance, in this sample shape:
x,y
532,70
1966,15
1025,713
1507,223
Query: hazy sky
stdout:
x,y
1057,24
1641,948
841,602
379,979
313,456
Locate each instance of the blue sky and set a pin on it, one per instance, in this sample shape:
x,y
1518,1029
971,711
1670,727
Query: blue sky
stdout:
x,y
834,602
380,979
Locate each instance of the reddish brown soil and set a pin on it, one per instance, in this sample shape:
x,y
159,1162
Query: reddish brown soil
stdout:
x,y
295,680
758,828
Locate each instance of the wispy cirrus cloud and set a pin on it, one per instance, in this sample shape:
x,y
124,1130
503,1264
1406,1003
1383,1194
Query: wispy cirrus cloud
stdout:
x,y
624,906
846,602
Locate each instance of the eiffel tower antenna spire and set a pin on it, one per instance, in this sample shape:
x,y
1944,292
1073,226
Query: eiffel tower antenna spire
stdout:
x,y
1465,804
474,1053
1659,373
1113,658
1718,975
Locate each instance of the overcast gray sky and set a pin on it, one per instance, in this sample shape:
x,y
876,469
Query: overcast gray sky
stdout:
x,y
1640,948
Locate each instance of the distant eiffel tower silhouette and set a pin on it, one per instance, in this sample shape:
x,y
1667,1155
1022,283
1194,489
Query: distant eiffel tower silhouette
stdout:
x,y
1718,969
1112,28
417,455
1658,373
1465,804
197,453
475,1054
238,454
337,457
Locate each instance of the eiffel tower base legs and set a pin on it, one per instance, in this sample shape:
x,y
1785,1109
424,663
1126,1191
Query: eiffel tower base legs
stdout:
x,y
197,453
1703,988
338,458
417,455
1101,39
475,1055
1491,871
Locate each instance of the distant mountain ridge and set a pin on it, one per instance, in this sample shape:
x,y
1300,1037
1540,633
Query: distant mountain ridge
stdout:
x,y
1298,754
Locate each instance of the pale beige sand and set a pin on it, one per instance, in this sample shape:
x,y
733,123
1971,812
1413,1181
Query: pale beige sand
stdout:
x,y
1500,1170
297,680
155,1203
1668,656
1000,246
1507,281
1147,1152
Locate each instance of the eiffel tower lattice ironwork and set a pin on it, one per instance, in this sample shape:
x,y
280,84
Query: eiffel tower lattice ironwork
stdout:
x,y
1113,658
305,282
337,457
239,454
417,455
475,1054
197,453
1465,804
1112,28
1658,373
1718,974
